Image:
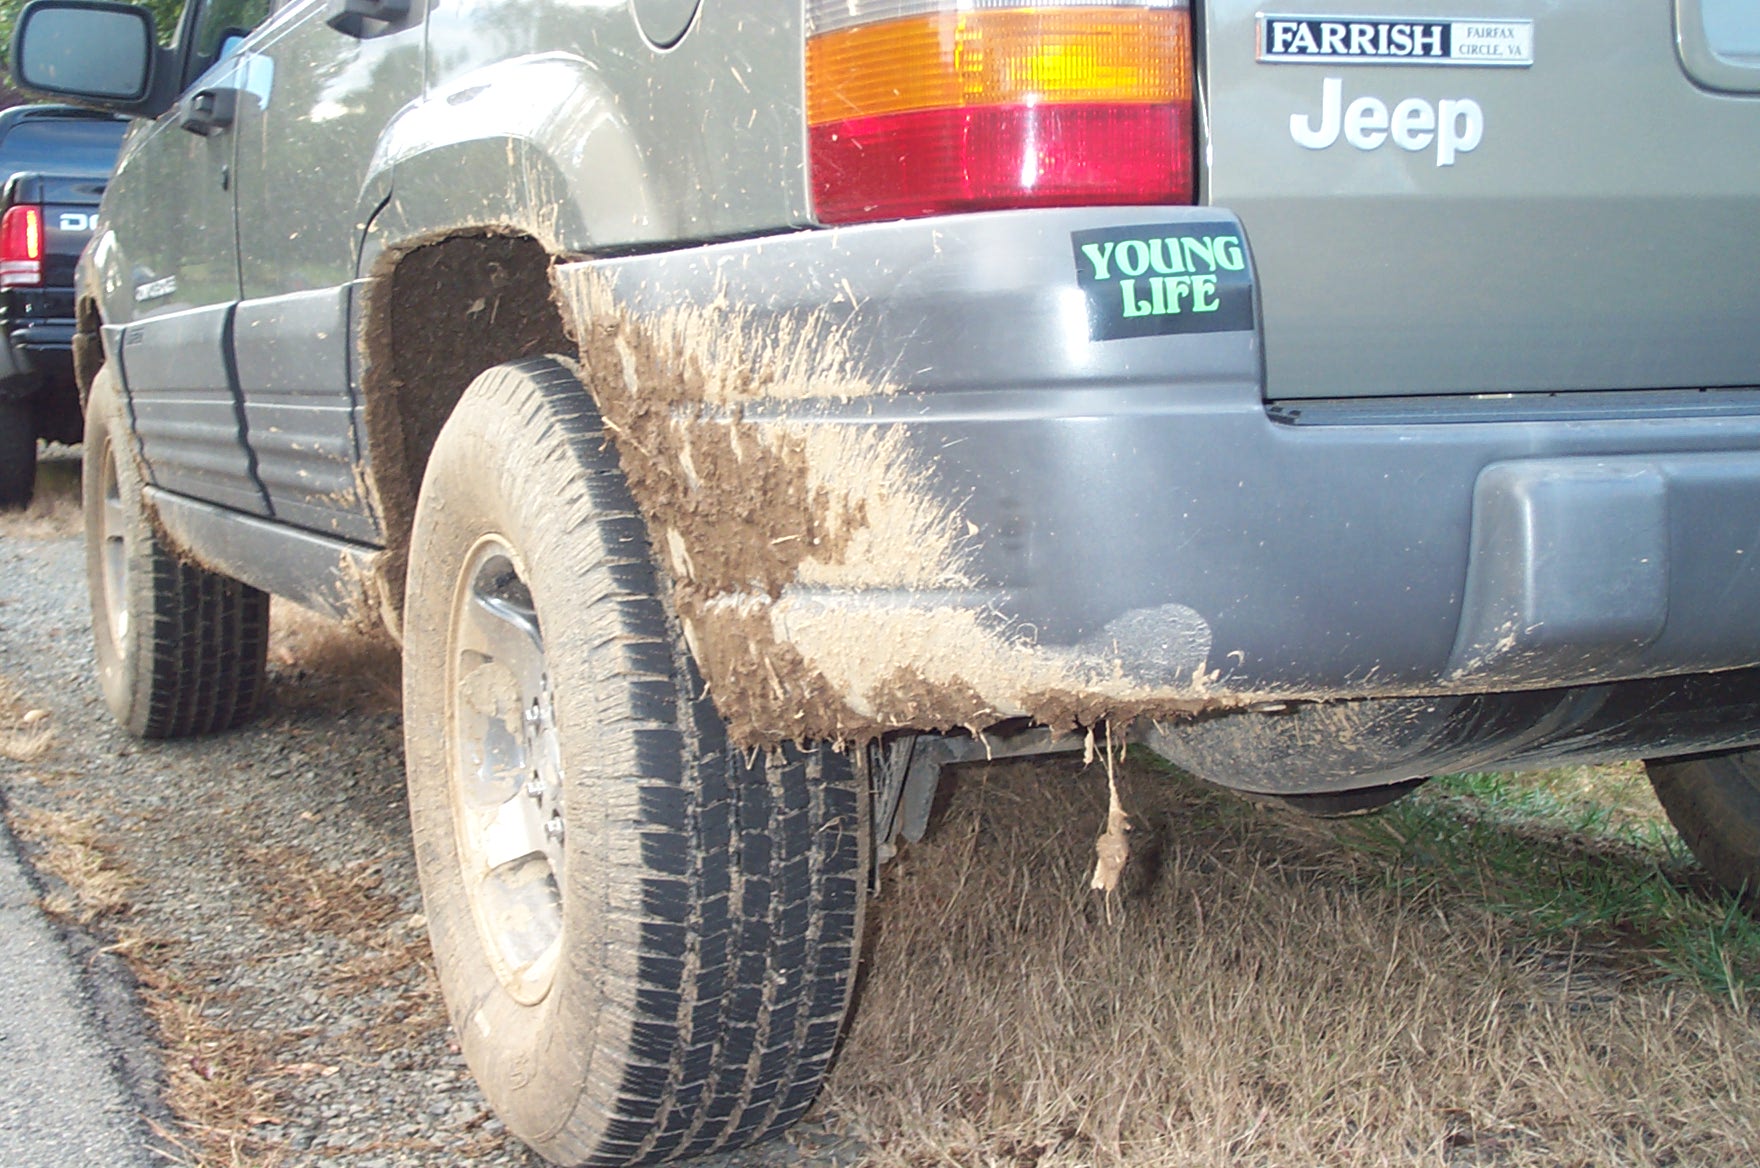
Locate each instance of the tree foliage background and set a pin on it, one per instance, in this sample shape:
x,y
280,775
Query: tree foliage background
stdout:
x,y
165,14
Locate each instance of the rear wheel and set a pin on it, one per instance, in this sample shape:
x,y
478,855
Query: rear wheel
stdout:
x,y
18,454
644,936
1714,802
181,650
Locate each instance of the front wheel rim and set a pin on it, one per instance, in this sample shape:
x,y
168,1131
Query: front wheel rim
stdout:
x,y
506,770
113,546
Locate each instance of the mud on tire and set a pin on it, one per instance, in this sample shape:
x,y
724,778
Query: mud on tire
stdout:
x,y
180,649
645,938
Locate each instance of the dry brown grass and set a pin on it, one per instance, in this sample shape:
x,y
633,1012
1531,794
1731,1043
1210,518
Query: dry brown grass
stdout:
x,y
218,1076
54,512
322,663
1256,1001
75,851
298,893
25,730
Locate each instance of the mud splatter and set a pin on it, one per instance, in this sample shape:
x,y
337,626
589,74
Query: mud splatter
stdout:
x,y
807,551
439,312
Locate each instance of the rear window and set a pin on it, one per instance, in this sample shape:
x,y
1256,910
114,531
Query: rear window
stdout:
x,y
61,146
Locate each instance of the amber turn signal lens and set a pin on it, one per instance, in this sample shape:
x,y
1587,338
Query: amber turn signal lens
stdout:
x,y
999,57
988,108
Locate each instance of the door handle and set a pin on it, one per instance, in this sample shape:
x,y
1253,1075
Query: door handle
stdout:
x,y
209,111
365,19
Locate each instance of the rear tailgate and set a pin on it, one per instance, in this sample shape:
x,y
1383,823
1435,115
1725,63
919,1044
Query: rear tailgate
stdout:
x,y
70,208
1584,214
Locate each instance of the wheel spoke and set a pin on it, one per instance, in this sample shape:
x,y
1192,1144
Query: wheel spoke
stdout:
x,y
500,625
491,734
511,834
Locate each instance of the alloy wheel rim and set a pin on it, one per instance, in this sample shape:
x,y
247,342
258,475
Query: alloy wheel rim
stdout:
x,y
506,770
113,547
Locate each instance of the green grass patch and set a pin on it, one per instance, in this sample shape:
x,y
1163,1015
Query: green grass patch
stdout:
x,y
1571,853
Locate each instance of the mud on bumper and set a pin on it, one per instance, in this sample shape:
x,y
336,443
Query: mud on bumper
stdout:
x,y
938,473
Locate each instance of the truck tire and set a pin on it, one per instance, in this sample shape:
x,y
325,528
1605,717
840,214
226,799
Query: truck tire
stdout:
x,y
180,649
645,937
1714,802
18,454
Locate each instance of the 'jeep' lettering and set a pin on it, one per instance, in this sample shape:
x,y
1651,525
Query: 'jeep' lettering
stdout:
x,y
1455,125
1160,279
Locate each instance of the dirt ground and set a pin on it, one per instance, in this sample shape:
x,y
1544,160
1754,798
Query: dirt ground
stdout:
x,y
1261,990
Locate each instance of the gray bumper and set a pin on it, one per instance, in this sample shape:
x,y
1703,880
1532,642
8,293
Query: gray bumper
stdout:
x,y
1127,527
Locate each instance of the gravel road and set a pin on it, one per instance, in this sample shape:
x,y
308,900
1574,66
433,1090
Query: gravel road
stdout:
x,y
261,886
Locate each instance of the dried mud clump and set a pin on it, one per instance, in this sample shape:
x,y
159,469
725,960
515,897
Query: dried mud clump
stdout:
x,y
738,511
774,511
440,311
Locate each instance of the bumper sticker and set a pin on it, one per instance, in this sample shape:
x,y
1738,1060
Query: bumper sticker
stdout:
x,y
1162,278
1376,40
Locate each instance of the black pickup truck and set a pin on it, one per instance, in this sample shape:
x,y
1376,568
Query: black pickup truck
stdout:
x,y
55,161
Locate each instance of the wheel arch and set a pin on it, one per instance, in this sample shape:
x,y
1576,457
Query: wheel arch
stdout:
x,y
538,144
434,312
88,345
496,176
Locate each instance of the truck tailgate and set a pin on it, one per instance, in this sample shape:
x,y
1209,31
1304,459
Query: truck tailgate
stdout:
x,y
1584,215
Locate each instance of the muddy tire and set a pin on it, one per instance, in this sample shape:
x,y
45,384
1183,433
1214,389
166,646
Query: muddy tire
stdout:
x,y
18,454
645,938
1714,802
180,649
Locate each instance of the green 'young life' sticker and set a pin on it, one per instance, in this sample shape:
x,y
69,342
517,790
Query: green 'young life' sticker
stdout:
x,y
1162,278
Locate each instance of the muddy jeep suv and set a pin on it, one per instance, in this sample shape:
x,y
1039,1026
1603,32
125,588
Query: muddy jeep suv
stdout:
x,y
742,410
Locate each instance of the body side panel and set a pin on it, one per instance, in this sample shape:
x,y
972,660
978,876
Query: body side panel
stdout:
x,y
701,140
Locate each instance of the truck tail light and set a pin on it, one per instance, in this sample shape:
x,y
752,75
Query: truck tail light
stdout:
x,y
922,107
21,247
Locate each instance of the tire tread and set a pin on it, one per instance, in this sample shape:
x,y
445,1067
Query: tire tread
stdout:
x,y
746,901
198,646
1714,803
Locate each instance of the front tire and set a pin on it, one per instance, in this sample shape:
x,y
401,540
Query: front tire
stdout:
x,y
1714,802
645,938
181,650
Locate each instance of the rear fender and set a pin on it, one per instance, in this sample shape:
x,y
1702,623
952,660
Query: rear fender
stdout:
x,y
535,145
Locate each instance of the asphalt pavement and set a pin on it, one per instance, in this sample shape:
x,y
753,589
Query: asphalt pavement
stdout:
x,y
63,1098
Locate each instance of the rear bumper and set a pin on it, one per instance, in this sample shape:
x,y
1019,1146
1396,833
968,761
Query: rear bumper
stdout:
x,y
19,378
1121,527
48,348
36,356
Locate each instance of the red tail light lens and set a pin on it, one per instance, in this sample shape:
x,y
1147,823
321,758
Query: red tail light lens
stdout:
x,y
21,247
926,112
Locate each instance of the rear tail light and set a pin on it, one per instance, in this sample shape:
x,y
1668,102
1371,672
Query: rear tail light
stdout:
x,y
21,247
922,107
